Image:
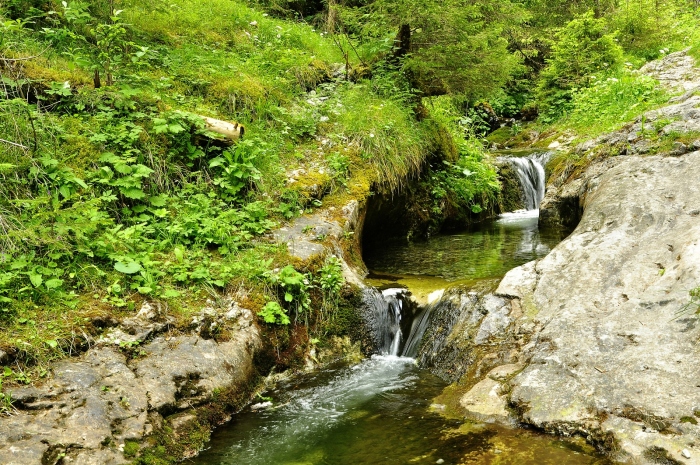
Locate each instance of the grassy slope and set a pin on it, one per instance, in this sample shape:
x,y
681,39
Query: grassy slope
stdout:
x,y
111,196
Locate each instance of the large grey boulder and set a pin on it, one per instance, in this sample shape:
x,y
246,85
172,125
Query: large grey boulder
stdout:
x,y
614,348
594,335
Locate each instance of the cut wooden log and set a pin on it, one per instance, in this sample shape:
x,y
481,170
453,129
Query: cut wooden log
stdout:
x,y
230,132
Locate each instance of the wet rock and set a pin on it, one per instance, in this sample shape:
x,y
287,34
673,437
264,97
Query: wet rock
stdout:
x,y
485,402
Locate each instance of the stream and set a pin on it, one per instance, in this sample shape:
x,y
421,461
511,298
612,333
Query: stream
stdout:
x,y
382,411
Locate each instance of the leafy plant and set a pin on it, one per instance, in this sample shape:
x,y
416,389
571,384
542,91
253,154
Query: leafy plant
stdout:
x,y
611,101
6,407
273,313
340,164
294,287
235,169
330,280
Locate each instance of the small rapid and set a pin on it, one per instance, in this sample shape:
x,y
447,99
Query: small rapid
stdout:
x,y
398,323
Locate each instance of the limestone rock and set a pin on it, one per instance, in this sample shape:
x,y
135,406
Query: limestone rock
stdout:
x,y
320,234
675,70
518,282
593,334
94,403
485,402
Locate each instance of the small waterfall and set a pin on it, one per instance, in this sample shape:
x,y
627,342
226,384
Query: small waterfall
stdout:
x,y
393,317
420,323
530,171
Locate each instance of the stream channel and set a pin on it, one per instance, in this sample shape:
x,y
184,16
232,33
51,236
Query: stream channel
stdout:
x,y
382,411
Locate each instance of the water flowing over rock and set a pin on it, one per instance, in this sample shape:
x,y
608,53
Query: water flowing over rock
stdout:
x,y
397,323
530,172
597,327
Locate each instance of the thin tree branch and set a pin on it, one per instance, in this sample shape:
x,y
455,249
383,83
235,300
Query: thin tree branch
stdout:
x,y
15,144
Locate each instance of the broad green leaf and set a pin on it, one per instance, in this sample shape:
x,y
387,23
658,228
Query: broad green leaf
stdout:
x,y
218,161
142,171
128,267
109,157
35,278
123,168
64,190
158,200
288,297
54,283
51,343
175,128
132,192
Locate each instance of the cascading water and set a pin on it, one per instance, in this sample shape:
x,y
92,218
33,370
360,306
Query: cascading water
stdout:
x,y
420,324
378,411
530,172
396,327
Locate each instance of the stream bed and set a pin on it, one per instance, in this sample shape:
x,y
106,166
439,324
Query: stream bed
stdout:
x,y
375,412
382,411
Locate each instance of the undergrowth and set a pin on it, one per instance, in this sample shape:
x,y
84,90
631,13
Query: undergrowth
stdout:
x,y
114,190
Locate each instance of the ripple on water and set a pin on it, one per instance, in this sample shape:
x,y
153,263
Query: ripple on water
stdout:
x,y
376,412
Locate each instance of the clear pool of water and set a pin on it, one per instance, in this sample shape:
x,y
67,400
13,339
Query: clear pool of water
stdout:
x,y
488,250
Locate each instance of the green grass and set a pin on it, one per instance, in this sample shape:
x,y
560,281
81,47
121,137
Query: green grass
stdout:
x,y
111,196
611,102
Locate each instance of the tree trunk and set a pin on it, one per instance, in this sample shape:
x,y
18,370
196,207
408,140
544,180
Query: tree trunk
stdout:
x,y
402,42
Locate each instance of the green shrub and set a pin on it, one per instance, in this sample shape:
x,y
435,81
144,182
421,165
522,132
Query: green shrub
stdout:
x,y
581,51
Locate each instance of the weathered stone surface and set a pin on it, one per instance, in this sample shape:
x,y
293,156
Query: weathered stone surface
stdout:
x,y
93,404
518,282
485,402
563,200
320,234
465,326
608,298
675,70
596,342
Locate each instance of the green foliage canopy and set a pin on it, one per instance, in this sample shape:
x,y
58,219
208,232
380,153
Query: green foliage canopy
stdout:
x,y
451,46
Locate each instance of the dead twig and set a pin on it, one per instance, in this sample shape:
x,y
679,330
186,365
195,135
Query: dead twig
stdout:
x,y
14,144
